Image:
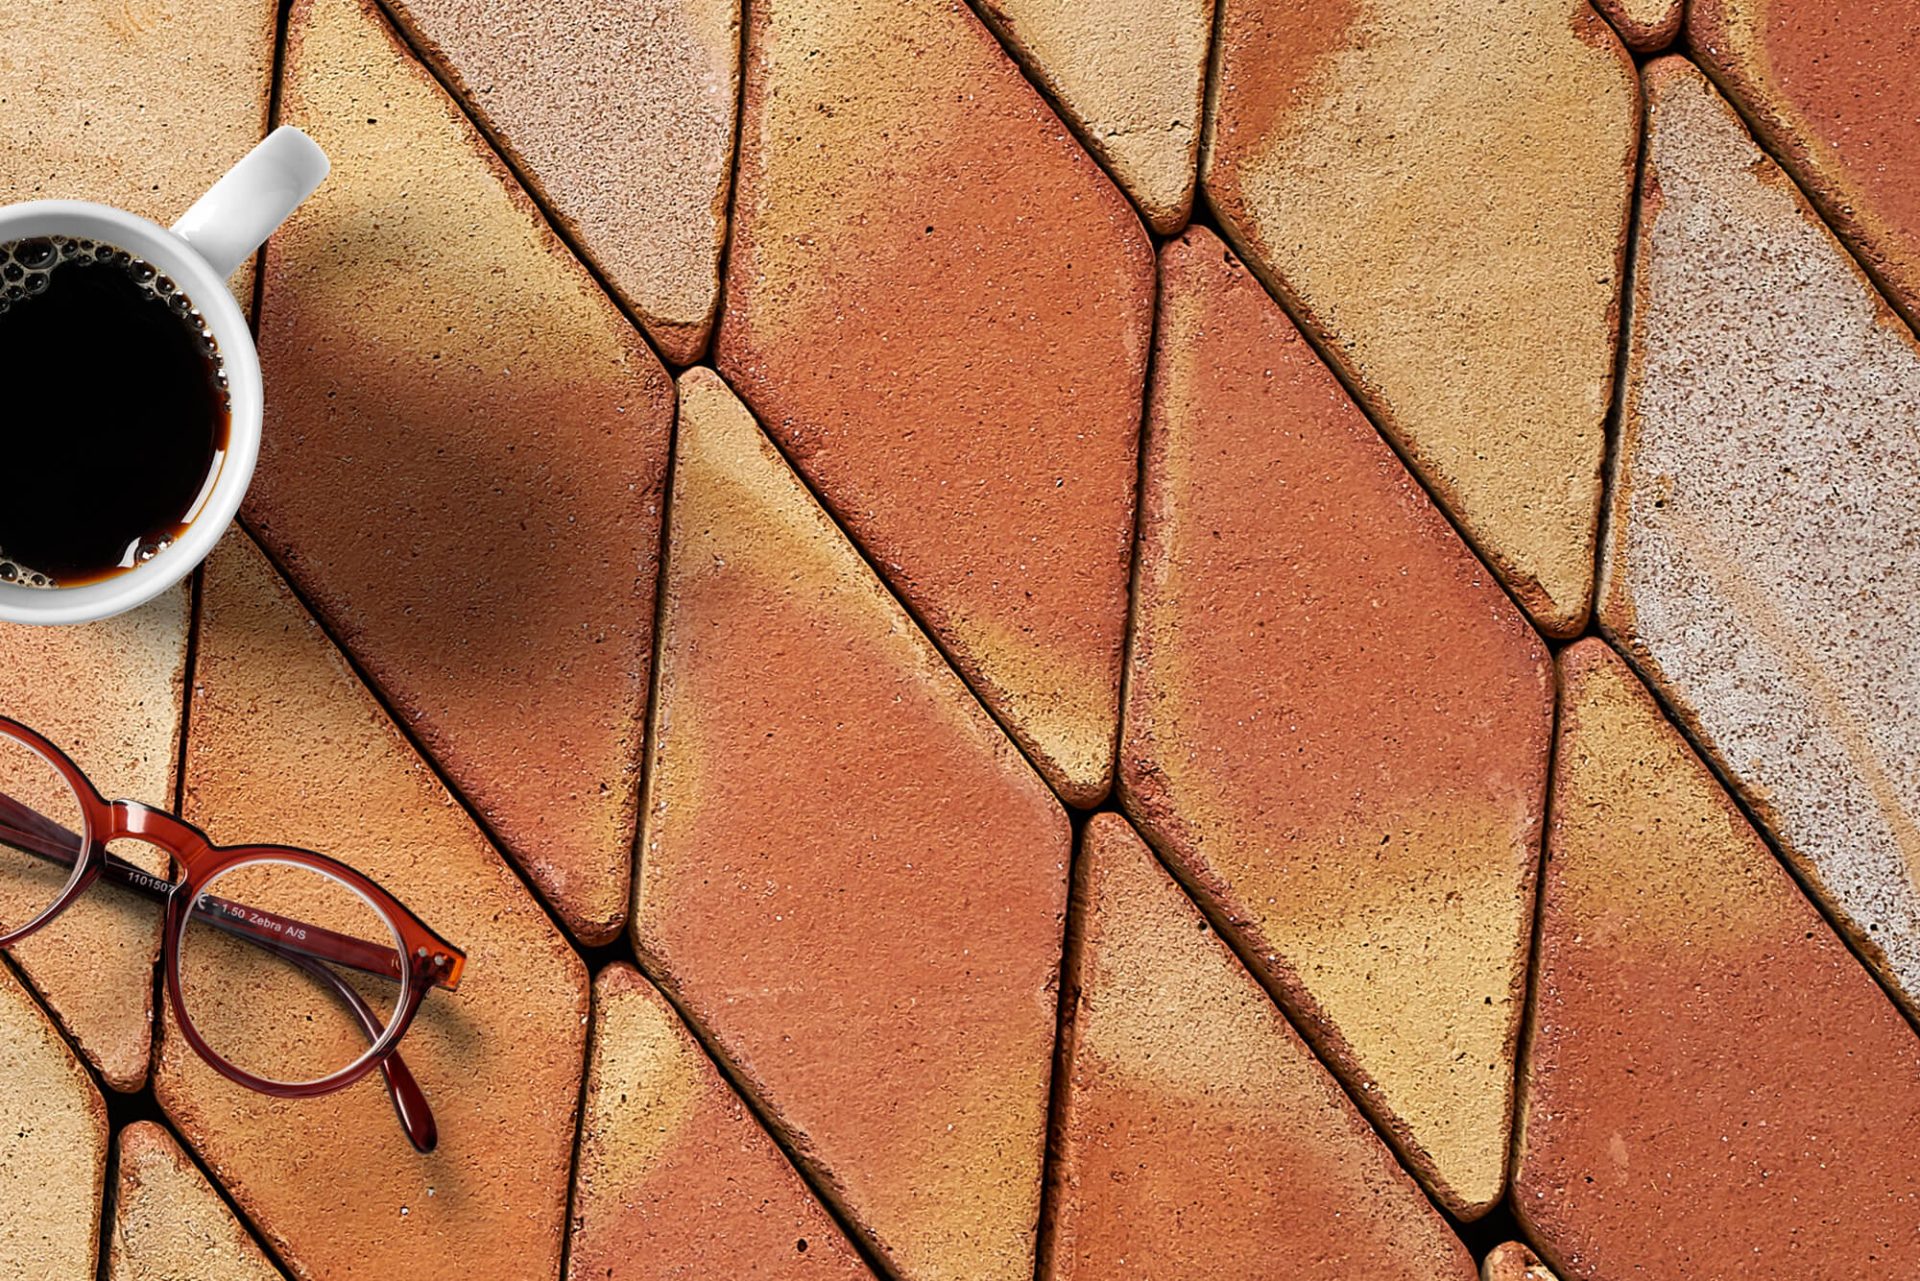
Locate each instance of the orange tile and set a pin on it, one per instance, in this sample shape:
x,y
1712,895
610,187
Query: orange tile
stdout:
x,y
110,695
135,104
286,746
849,879
621,116
1442,191
53,1147
1198,1137
1759,565
1130,77
939,306
675,1177
1337,726
1831,89
168,1222
465,442
1713,1086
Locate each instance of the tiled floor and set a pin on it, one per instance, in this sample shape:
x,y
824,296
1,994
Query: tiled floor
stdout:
x,y
1026,639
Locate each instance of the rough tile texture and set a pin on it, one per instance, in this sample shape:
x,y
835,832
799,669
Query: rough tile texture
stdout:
x,y
137,103
1832,89
849,878
169,1224
1512,1261
675,1178
1336,724
1198,1137
1645,26
464,450
1130,77
620,114
1714,1087
1441,191
53,1147
110,695
285,745
1760,563
939,306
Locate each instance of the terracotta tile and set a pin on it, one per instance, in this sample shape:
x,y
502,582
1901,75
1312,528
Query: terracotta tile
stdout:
x,y
1513,1261
1441,191
675,1177
1760,563
1713,1085
1198,1136
168,1222
285,745
939,306
140,105
1831,90
109,694
463,458
621,115
1645,26
53,1147
1130,77
849,879
1336,724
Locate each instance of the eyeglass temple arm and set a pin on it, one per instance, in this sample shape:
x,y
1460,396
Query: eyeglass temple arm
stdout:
x,y
34,832
40,835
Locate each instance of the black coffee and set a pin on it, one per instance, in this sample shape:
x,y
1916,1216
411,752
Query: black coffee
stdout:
x,y
115,417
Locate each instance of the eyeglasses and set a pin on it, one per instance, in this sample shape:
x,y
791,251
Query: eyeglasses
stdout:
x,y
287,972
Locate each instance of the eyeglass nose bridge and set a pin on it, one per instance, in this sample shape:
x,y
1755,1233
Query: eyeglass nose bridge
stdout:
x,y
131,819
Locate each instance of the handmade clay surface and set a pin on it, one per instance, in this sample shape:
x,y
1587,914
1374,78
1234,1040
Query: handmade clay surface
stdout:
x,y
1336,724
849,879
1759,565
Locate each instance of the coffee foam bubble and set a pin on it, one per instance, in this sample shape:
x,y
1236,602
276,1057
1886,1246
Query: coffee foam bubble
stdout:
x,y
26,271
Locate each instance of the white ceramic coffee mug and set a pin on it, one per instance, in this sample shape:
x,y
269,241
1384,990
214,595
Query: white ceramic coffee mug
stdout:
x,y
221,231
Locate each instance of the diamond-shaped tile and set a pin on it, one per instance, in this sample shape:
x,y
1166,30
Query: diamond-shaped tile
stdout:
x,y
939,306
849,879
1760,561
1337,726
621,115
53,1147
110,695
1130,76
1832,89
168,1222
675,1177
465,442
1442,190
286,746
137,105
1197,1136
1713,1086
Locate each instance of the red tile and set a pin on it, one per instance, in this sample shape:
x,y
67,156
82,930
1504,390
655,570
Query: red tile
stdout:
x,y
1831,88
849,879
285,745
1713,1085
465,442
939,307
1337,725
675,1178
1198,1137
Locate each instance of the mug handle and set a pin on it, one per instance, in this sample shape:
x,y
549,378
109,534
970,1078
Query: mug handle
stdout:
x,y
240,211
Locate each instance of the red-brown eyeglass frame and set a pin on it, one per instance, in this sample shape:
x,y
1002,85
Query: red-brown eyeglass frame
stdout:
x,y
430,960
